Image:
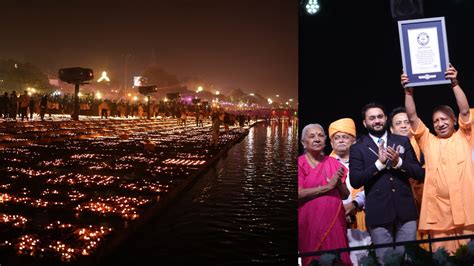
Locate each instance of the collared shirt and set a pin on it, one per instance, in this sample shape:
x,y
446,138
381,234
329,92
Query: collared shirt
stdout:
x,y
380,166
360,196
348,183
376,139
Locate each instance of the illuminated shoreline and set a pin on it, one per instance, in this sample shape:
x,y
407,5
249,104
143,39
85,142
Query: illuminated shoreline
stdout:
x,y
88,175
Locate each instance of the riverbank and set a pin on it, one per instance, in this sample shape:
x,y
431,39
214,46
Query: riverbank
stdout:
x,y
92,183
160,207
241,211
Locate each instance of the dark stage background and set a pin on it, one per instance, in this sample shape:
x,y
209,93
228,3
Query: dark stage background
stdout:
x,y
349,55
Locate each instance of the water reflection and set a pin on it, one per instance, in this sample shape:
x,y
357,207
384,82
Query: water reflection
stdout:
x,y
242,211
89,175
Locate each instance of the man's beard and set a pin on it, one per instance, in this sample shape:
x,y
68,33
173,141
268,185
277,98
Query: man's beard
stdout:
x,y
376,132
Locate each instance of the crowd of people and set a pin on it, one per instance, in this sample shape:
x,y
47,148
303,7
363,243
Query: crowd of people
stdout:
x,y
22,106
14,107
399,182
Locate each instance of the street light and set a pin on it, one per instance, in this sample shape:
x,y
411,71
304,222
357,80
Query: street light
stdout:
x,y
30,91
103,77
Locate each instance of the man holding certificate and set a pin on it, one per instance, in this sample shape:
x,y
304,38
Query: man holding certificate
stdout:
x,y
448,191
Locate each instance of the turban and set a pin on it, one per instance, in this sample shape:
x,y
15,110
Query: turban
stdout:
x,y
345,125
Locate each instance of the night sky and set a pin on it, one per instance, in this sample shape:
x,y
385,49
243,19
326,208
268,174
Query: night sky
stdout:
x,y
244,44
349,55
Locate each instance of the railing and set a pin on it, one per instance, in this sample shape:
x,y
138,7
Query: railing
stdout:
x,y
394,244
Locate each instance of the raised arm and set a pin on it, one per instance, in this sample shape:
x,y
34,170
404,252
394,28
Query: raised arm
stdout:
x,y
410,102
461,99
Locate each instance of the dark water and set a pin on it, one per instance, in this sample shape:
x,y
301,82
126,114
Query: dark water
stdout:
x,y
242,211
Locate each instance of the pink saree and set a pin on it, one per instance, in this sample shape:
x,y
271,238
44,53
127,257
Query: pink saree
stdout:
x,y
321,221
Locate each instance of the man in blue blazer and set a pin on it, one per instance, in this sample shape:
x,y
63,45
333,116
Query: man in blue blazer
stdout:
x,y
382,163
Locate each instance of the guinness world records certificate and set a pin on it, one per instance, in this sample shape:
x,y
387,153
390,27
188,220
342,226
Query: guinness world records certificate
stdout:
x,y
424,50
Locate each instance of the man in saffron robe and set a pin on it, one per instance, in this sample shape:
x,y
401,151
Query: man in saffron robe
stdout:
x,y
448,192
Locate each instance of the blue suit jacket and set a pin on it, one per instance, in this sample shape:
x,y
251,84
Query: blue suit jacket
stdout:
x,y
389,197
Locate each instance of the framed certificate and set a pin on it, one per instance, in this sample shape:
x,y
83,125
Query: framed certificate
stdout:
x,y
424,50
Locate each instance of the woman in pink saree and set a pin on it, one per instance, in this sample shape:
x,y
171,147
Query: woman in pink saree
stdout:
x,y
321,220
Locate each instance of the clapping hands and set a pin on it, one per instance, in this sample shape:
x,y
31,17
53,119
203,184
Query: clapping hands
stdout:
x,y
336,178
